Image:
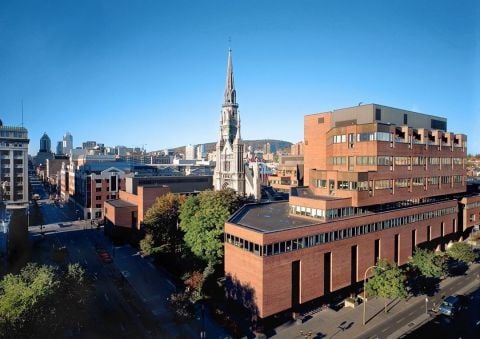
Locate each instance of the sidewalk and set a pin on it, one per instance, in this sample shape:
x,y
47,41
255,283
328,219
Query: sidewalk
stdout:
x,y
403,316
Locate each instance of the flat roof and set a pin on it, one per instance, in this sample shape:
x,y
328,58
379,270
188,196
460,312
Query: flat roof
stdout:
x,y
120,203
269,217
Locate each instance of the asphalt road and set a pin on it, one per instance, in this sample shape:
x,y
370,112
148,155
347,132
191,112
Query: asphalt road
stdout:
x,y
465,324
407,316
116,312
112,316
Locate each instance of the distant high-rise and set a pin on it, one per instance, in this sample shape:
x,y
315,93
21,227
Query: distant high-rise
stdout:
x,y
190,152
45,143
89,144
59,150
67,143
201,153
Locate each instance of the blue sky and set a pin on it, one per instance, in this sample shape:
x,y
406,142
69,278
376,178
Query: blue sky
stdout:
x,y
152,73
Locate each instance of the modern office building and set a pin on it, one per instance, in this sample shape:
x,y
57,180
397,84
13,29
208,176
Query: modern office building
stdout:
x,y
45,143
45,151
379,181
59,149
67,143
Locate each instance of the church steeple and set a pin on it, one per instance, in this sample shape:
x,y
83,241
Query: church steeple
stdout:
x,y
230,93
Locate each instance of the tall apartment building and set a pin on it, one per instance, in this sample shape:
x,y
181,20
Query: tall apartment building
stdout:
x,y
380,182
190,152
14,164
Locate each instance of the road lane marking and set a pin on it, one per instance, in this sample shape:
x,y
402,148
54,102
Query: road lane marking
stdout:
x,y
400,320
106,297
411,313
151,265
86,263
385,329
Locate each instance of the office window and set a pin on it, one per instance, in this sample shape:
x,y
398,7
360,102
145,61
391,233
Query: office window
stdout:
x,y
437,124
405,119
378,114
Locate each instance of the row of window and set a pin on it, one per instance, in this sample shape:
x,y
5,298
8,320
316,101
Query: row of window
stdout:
x,y
322,238
387,183
13,134
385,160
327,214
380,136
472,205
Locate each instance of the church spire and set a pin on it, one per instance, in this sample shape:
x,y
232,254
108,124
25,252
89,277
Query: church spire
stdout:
x,y
230,93
237,136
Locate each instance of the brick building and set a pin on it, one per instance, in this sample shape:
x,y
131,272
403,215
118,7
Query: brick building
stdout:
x,y
140,193
379,182
289,173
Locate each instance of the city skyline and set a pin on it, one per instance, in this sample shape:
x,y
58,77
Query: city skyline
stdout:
x,y
154,73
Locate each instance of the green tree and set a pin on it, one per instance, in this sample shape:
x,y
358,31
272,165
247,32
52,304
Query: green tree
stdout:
x,y
147,244
42,301
161,221
462,252
388,281
25,299
203,218
429,264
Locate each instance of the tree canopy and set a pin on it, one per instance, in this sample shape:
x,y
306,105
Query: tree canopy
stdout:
x,y
202,219
42,301
388,281
429,264
161,221
462,252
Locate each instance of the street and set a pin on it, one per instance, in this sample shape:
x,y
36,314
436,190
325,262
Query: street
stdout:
x,y
464,325
131,294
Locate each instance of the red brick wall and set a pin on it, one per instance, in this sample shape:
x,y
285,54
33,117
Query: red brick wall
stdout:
x,y
271,276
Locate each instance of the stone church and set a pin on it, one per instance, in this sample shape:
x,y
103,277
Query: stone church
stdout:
x,y
234,168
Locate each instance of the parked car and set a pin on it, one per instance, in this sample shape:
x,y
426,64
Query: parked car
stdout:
x,y
450,306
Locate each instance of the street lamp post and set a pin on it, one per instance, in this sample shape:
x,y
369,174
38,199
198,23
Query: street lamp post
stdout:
x,y
365,291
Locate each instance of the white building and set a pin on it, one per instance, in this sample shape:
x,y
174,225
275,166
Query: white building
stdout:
x,y
201,153
190,152
67,143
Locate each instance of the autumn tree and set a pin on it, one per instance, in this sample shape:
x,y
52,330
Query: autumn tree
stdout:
x,y
161,222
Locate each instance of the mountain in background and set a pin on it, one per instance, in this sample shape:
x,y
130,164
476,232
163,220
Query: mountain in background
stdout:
x,y
275,145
